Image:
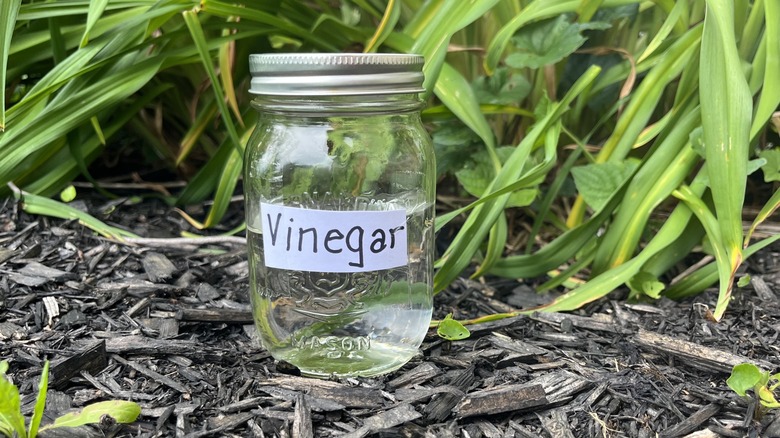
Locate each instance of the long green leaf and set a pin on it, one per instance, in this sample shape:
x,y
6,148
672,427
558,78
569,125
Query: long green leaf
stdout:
x,y
96,8
726,107
8,11
721,252
661,172
770,92
766,211
456,93
707,275
385,27
34,204
606,282
233,166
40,401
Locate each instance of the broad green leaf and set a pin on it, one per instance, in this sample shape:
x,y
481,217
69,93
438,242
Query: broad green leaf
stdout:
x,y
548,42
743,377
68,194
11,419
121,411
453,144
8,11
451,329
536,10
476,175
504,87
645,283
597,182
771,168
40,401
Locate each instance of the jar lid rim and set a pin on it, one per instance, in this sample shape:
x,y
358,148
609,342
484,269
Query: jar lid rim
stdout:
x,y
336,74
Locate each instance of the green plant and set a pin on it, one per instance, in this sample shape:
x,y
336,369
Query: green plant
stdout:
x,y
451,329
12,421
746,376
593,144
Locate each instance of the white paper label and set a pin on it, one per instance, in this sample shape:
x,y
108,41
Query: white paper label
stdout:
x,y
333,241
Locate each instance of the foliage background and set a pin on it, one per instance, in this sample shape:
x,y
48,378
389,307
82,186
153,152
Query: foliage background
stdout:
x,y
588,144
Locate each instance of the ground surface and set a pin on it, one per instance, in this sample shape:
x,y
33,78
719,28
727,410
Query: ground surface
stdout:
x,y
167,326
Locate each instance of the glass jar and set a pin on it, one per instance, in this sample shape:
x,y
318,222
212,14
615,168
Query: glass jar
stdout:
x,y
339,182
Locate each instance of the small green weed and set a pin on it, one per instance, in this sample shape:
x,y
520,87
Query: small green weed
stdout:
x,y
451,329
12,421
747,376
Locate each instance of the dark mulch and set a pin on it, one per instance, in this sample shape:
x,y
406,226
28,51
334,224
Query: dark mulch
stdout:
x,y
168,327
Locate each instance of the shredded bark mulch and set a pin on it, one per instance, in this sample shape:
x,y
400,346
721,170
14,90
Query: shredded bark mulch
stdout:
x,y
168,326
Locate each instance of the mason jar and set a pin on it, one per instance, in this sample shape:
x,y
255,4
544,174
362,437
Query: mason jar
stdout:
x,y
339,182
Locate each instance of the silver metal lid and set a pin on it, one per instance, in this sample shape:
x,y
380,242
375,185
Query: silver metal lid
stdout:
x,y
335,74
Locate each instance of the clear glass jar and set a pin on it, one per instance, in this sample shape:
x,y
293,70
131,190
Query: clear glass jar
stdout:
x,y
339,183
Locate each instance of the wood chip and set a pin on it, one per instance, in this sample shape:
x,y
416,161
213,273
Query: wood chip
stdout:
x,y
302,426
35,269
501,399
441,406
695,355
763,291
420,374
561,385
691,423
350,396
556,424
384,420
228,316
92,359
157,267
167,381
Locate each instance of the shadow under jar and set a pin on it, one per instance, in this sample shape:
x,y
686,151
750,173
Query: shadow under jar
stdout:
x,y
339,183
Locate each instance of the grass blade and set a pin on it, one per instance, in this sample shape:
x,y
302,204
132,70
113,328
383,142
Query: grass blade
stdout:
x,y
770,92
40,401
8,12
385,27
96,8
456,93
233,166
721,252
766,211
34,204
